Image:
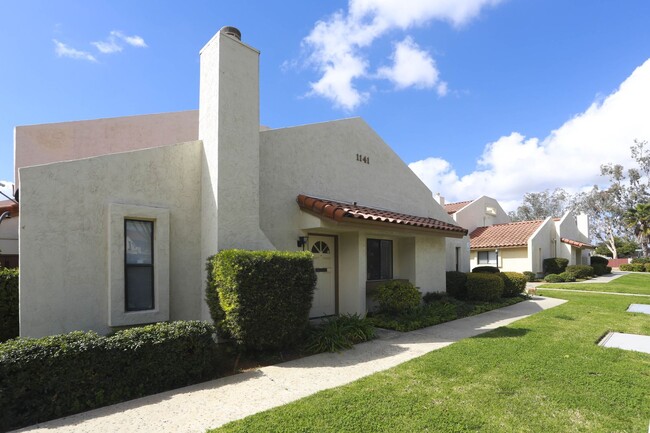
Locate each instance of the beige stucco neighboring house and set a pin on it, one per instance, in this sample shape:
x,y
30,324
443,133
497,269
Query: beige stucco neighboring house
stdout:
x,y
118,216
8,234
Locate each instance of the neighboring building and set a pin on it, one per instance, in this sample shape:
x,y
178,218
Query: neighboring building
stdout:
x,y
513,246
118,216
8,234
470,214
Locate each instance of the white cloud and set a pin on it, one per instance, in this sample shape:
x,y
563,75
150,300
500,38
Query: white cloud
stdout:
x,y
337,46
115,40
63,50
412,67
569,157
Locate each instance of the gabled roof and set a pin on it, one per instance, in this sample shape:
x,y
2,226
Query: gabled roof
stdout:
x,y
452,208
504,235
577,244
351,212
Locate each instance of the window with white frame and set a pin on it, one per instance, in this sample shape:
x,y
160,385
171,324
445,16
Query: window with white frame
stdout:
x,y
488,258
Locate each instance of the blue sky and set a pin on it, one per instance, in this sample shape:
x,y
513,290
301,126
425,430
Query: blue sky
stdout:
x,y
479,96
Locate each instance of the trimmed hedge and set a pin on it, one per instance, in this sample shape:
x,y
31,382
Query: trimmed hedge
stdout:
x,y
647,267
8,304
514,283
60,375
265,296
554,278
486,269
599,269
484,287
567,277
599,260
555,265
641,260
530,276
632,267
581,271
456,284
398,297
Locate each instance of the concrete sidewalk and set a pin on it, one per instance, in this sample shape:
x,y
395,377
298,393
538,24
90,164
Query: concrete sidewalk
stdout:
x,y
212,404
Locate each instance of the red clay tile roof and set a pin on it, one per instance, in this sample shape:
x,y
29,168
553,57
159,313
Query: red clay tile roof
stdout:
x,y
455,207
340,211
503,235
577,243
7,205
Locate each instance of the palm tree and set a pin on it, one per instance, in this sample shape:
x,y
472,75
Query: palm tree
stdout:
x,y
638,218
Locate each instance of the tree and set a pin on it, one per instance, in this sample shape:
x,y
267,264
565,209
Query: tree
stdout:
x,y
541,205
625,247
638,218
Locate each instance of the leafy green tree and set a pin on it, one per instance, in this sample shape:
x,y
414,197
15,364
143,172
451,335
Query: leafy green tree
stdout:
x,y
541,205
625,247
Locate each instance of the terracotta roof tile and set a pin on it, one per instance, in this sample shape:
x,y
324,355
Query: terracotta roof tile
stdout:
x,y
577,243
341,211
7,205
455,207
504,235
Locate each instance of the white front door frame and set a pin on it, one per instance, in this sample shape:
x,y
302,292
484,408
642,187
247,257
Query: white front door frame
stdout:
x,y
326,295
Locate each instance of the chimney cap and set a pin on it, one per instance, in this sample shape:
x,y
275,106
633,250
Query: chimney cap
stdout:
x,y
231,31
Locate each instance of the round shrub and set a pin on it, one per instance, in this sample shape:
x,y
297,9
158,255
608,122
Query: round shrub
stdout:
x,y
599,268
486,269
647,267
581,271
627,267
555,265
608,269
553,278
638,267
456,284
397,297
567,277
641,260
599,260
530,276
514,283
484,287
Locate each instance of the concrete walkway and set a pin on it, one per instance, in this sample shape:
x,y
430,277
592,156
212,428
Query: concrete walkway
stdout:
x,y
212,404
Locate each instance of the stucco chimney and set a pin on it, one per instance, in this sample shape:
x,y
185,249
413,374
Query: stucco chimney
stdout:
x,y
231,31
440,199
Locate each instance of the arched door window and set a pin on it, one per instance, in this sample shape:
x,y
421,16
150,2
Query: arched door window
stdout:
x,y
320,248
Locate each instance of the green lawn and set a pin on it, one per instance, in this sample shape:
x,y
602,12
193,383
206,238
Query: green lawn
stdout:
x,y
630,283
540,374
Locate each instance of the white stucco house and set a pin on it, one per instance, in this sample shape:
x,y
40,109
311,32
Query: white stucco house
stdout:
x,y
518,246
118,216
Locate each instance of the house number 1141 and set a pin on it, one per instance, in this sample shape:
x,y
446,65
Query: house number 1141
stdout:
x,y
363,158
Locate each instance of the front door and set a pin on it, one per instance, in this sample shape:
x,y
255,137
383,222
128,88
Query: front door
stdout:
x,y
325,265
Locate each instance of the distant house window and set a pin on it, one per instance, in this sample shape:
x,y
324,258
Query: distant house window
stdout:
x,y
457,259
380,259
138,265
488,258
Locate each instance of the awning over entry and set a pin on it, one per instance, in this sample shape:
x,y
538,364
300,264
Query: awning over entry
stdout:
x,y
577,244
352,212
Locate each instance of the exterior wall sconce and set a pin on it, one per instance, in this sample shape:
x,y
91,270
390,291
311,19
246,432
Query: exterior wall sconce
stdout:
x,y
302,241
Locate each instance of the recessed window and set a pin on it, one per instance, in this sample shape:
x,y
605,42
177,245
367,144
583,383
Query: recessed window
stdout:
x,y
380,259
488,258
138,265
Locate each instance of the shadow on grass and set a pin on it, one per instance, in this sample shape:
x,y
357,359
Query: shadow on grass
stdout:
x,y
505,333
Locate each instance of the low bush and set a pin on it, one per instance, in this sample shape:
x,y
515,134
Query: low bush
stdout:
x,y
632,267
265,296
339,333
8,304
484,287
581,271
599,260
647,267
430,297
567,277
417,318
553,278
397,297
486,270
608,269
555,265
530,276
641,260
456,284
514,283
55,376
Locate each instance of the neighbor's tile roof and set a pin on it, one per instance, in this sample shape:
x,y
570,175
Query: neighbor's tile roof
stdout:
x,y
504,235
341,211
577,243
7,205
455,207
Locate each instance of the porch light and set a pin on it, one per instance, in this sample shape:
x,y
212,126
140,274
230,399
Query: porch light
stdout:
x,y
302,241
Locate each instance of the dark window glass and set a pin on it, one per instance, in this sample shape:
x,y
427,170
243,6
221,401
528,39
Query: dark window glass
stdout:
x,y
138,265
380,259
488,258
